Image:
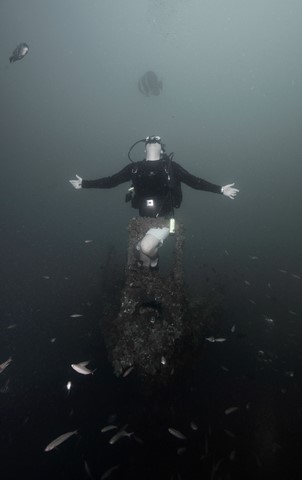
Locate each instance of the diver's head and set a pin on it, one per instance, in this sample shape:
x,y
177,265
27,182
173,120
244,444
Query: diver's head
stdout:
x,y
153,148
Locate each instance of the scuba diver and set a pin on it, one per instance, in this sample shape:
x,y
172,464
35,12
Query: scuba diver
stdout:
x,y
155,192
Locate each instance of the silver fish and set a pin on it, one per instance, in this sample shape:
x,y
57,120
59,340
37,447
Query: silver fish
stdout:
x,y
57,441
294,275
213,339
120,434
232,455
108,428
210,339
230,410
76,315
215,468
229,433
81,368
109,471
177,434
193,425
5,364
5,387
126,372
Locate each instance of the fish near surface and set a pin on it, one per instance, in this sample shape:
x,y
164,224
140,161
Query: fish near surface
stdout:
x,y
20,51
149,84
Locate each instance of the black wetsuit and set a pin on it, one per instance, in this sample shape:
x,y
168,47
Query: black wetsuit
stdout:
x,y
157,185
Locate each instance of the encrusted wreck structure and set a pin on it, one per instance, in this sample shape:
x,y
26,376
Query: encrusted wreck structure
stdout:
x,y
154,332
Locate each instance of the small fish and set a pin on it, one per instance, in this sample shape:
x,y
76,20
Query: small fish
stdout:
x,y
220,339
233,328
232,455
252,301
108,472
81,368
57,441
247,283
253,257
120,434
68,386
229,433
292,312
282,271
129,370
107,428
294,275
5,364
230,410
226,252
46,277
5,387
138,439
193,426
87,470
177,434
276,447
181,450
20,51
88,241
163,360
215,468
258,461
269,320
224,368
210,339
76,315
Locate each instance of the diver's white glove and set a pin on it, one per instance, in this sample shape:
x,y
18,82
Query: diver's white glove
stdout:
x,y
229,191
76,183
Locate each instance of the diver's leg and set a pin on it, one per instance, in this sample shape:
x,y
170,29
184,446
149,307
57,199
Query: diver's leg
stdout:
x,y
149,245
